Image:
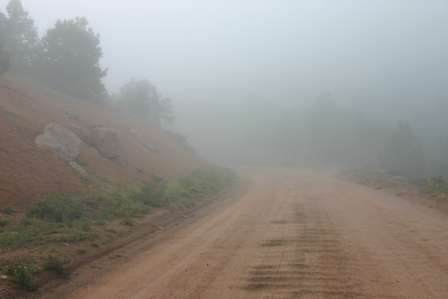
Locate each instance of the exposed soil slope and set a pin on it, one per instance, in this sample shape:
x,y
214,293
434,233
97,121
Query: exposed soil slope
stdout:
x,y
292,235
27,172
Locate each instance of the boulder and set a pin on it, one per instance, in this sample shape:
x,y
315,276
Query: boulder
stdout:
x,y
105,141
61,141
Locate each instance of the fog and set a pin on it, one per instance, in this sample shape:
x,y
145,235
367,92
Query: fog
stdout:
x,y
243,74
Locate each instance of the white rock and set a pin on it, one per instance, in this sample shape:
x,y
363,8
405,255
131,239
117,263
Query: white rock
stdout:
x,y
61,141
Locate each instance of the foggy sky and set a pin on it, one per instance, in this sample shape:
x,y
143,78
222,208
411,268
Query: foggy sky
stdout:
x,y
215,56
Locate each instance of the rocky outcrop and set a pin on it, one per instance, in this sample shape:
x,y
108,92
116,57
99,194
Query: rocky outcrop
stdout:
x,y
105,141
61,141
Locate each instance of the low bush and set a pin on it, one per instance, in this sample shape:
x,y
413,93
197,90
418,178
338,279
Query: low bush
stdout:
x,y
22,272
437,185
56,265
9,211
4,222
152,194
59,209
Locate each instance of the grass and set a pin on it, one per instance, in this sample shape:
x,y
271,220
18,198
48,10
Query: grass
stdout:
x,y
56,265
4,222
71,217
437,185
22,272
9,211
59,209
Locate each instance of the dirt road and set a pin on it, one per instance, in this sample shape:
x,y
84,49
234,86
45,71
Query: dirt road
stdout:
x,y
291,235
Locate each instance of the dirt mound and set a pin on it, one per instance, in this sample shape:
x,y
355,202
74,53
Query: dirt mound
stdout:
x,y
110,146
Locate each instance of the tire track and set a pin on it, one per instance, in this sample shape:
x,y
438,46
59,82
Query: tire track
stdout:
x,y
307,262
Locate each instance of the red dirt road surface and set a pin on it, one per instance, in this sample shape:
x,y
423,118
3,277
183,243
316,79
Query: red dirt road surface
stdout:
x,y
291,235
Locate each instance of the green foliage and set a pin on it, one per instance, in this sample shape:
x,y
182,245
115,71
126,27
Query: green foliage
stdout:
x,y
4,60
70,217
9,211
142,100
58,209
20,36
22,272
69,59
437,185
4,222
36,231
199,184
152,194
56,265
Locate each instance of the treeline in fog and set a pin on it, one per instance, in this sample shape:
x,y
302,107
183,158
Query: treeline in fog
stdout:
x,y
67,58
331,132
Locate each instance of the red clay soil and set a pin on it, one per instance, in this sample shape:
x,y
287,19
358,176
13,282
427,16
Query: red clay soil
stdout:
x,y
27,172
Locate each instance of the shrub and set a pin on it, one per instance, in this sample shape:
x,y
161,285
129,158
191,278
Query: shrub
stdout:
x,y
56,265
58,209
152,194
4,222
9,211
437,185
22,272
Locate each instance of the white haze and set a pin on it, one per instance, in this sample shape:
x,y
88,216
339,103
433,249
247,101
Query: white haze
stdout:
x,y
219,60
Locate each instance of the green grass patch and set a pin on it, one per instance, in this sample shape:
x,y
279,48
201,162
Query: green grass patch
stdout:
x,y
4,222
56,265
59,209
437,185
72,217
22,272
9,211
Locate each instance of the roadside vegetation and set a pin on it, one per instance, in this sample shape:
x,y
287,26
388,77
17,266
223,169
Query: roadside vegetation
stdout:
x,y
437,186
71,218
22,271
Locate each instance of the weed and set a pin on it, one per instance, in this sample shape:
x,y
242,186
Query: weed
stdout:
x,y
56,265
437,185
59,209
23,272
9,211
128,221
4,222
152,194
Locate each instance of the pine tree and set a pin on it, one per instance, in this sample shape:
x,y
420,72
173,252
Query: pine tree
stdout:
x,y
69,59
20,35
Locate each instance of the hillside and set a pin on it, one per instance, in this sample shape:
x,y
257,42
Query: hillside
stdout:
x,y
113,148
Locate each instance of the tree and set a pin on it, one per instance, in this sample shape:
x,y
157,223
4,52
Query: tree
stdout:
x,y
403,154
69,59
20,35
143,101
3,25
4,55
4,60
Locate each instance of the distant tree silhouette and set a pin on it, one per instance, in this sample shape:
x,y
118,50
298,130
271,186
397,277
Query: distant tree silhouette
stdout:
x,y
142,100
403,154
69,59
4,55
20,36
